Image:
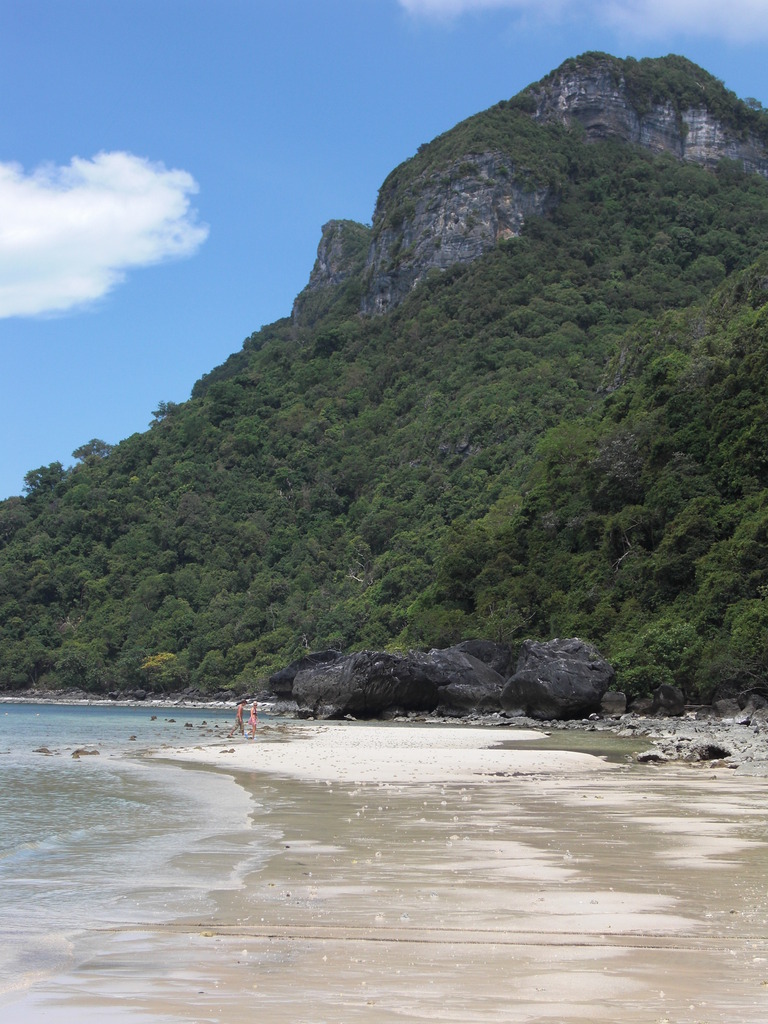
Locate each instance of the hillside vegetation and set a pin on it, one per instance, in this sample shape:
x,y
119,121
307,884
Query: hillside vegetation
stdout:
x,y
568,436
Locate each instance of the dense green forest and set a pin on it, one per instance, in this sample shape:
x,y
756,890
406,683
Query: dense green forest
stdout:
x,y
568,436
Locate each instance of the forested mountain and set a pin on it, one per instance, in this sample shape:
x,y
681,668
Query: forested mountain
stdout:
x,y
530,400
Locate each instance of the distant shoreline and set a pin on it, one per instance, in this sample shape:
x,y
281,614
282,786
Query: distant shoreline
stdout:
x,y
740,744
164,702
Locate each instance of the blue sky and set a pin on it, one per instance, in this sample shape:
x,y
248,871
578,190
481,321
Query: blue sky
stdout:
x,y
166,166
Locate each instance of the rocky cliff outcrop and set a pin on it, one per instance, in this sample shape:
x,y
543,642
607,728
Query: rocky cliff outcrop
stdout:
x,y
479,183
341,255
442,218
600,98
339,252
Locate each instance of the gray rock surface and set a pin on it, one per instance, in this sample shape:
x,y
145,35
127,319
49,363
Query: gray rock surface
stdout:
x,y
742,746
496,656
613,704
599,101
668,700
557,679
341,254
281,682
370,684
465,684
452,215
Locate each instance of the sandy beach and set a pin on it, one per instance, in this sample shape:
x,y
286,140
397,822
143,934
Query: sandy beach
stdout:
x,y
458,874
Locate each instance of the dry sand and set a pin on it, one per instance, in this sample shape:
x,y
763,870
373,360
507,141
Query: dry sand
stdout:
x,y
460,874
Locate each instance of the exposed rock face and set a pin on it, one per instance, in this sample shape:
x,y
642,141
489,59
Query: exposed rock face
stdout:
x,y
496,656
598,99
450,217
726,708
341,255
613,704
741,709
281,682
363,685
369,684
557,679
458,211
338,252
464,683
668,700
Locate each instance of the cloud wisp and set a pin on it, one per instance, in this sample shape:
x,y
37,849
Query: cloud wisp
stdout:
x,y
70,234
739,21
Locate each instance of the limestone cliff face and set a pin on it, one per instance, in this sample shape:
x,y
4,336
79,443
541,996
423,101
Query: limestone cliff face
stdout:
x,y
338,253
340,256
435,212
448,217
600,100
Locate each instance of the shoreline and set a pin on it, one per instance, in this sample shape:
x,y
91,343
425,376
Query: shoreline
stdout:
x,y
740,742
460,873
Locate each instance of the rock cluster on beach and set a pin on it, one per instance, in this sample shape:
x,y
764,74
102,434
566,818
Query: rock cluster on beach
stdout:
x,y
561,684
559,679
369,684
556,685
740,742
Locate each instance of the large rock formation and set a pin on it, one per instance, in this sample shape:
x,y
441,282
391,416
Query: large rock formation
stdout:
x,y
497,656
341,252
341,255
598,95
450,215
471,188
281,682
668,701
370,683
465,684
557,679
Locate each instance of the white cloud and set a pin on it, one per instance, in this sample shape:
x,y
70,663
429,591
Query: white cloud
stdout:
x,y
69,234
736,20
739,21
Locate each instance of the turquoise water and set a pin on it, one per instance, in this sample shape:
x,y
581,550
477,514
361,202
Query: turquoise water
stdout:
x,y
108,840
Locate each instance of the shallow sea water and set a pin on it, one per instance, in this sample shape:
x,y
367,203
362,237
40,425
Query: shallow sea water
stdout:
x,y
106,840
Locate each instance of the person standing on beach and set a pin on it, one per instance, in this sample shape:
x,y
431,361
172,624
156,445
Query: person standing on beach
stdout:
x,y
252,721
239,724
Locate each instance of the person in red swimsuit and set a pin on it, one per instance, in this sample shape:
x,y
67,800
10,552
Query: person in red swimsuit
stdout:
x,y
252,722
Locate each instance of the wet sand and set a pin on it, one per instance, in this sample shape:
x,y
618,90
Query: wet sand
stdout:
x,y
459,875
